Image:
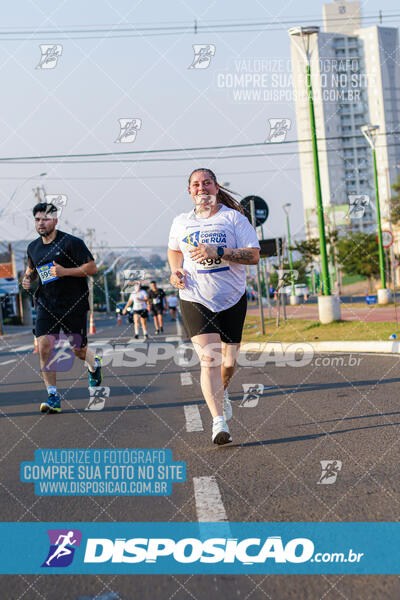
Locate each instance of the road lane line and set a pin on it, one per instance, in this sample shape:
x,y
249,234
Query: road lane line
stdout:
x,y
186,379
7,362
193,418
22,348
209,506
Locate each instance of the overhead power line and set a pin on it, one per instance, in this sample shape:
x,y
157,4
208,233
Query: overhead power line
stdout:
x,y
124,157
159,29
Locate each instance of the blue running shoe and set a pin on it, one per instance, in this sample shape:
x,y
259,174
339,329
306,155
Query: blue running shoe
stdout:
x,y
53,404
96,378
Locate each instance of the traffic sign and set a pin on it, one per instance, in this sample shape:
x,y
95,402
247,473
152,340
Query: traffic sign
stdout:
x,y
260,207
387,238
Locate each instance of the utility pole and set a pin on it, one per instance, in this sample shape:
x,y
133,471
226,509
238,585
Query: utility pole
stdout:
x,y
90,233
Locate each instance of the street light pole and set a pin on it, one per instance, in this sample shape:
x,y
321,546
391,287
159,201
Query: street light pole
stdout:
x,y
369,132
328,305
293,297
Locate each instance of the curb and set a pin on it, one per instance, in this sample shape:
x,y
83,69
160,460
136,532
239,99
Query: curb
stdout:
x,y
381,347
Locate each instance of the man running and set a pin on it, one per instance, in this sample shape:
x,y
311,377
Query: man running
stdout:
x,y
61,262
157,306
139,300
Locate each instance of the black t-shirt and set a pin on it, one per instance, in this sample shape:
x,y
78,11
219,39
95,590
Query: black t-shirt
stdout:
x,y
60,294
157,297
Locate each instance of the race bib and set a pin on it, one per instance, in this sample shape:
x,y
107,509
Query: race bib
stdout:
x,y
44,273
156,301
211,265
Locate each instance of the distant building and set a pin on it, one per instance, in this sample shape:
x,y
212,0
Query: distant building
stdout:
x,y
356,81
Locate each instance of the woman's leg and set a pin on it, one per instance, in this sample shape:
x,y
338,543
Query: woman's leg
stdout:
x,y
208,349
228,366
136,323
143,321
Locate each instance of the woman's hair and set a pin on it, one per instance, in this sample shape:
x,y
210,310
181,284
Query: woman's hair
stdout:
x,y
224,194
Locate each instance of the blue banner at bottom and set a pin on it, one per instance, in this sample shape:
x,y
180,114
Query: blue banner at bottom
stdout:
x,y
199,548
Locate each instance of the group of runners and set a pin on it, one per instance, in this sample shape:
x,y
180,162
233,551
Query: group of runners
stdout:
x,y
154,301
208,250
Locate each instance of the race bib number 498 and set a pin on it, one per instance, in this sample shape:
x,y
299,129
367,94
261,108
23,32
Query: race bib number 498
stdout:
x,y
44,273
211,265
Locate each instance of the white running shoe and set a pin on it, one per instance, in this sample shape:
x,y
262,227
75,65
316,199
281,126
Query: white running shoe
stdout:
x,y
220,433
227,406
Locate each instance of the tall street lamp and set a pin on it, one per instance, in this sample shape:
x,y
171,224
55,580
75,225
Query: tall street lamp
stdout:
x,y
328,306
293,298
369,132
18,188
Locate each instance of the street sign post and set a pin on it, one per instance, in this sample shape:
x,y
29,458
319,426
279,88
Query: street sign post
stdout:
x,y
260,208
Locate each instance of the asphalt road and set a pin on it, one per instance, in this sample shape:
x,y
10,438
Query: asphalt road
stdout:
x,y
342,410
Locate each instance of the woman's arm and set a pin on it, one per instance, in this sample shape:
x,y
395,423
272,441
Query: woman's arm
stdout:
x,y
175,259
242,256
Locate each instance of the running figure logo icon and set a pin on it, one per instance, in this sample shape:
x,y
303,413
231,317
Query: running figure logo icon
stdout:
x,y
58,200
251,394
61,356
128,130
330,471
98,397
203,54
50,55
63,543
357,205
278,129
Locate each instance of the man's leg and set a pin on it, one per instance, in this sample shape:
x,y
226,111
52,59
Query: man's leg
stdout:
x,y
45,345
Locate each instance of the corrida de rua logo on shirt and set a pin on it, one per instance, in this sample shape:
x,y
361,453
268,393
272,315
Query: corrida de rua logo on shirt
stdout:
x,y
205,237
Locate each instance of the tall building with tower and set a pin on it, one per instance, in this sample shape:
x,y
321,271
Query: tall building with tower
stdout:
x,y
355,76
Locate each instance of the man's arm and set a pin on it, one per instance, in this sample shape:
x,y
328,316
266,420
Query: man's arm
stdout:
x,y
84,270
30,275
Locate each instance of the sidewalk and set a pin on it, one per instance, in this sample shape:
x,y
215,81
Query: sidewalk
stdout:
x,y
371,313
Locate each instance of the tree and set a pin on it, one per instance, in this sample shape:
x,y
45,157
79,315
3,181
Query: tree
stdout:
x,y
395,202
358,255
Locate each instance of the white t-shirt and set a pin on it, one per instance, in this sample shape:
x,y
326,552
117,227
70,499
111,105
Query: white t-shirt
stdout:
x,y
172,301
139,300
215,283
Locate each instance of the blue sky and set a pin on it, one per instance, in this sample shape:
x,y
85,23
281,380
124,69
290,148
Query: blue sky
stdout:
x,y
75,108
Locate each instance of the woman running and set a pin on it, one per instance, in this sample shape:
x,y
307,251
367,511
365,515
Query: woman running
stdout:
x,y
139,300
207,250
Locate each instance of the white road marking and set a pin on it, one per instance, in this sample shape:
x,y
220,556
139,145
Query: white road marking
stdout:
x,y
209,506
186,379
173,338
23,348
193,418
7,362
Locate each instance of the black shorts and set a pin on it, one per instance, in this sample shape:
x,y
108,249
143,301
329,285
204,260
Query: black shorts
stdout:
x,y
228,323
71,323
156,310
143,312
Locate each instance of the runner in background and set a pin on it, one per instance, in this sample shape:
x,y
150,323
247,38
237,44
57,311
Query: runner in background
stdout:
x,y
208,249
172,301
139,300
156,305
60,262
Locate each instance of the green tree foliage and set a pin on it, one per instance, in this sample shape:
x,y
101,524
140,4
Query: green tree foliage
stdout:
x,y
358,255
395,202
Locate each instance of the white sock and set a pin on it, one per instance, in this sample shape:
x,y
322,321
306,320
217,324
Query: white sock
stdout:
x,y
218,419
